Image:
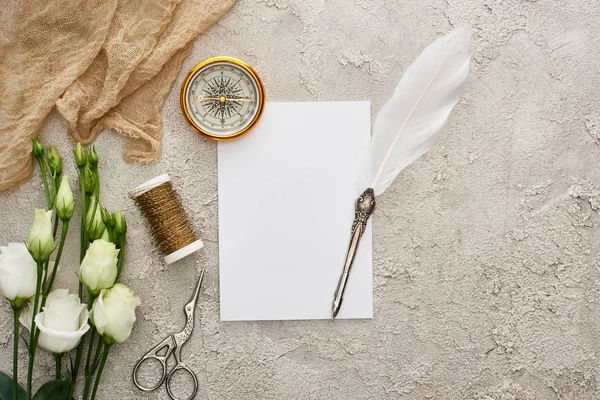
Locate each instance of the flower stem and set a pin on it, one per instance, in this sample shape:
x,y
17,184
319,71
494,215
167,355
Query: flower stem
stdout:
x,y
89,372
45,180
58,359
55,226
101,368
54,189
83,234
16,312
63,238
88,365
88,362
84,203
121,255
48,287
82,249
55,186
99,347
78,355
32,331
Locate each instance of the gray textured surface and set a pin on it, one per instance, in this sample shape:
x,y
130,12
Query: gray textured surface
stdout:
x,y
486,261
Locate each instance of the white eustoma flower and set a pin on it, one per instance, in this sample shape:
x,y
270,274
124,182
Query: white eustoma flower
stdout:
x,y
62,322
113,313
18,273
65,204
98,269
41,240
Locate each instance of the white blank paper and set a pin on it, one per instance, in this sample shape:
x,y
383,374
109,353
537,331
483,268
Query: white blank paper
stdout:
x,y
286,206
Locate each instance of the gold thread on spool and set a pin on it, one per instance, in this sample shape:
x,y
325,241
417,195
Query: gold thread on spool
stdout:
x,y
169,224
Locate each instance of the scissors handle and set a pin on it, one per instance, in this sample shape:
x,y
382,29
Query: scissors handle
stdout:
x,y
181,366
152,355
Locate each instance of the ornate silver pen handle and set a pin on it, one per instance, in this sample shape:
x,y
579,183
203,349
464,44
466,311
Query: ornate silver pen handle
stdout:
x,y
363,208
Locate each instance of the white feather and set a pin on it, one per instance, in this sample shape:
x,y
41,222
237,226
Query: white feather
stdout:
x,y
409,124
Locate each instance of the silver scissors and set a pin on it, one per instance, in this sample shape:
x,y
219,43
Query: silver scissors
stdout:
x,y
173,344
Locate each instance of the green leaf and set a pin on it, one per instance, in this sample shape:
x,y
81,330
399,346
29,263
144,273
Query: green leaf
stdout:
x,y
6,388
53,390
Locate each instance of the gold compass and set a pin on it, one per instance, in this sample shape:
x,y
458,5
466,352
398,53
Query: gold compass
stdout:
x,y
222,98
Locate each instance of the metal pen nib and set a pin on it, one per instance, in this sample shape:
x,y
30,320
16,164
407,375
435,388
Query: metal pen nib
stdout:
x,y
363,209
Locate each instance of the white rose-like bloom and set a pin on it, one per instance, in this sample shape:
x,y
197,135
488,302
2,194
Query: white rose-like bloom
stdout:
x,y
98,269
113,313
18,272
62,322
41,240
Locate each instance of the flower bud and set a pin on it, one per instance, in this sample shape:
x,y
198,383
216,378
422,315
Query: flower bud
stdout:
x,y
65,204
80,157
106,218
41,241
54,161
90,179
98,269
94,224
120,224
113,313
93,157
38,149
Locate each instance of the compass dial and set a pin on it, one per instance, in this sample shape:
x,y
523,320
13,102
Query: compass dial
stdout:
x,y
222,98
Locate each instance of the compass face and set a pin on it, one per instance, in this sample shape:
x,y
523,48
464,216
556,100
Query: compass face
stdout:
x,y
222,98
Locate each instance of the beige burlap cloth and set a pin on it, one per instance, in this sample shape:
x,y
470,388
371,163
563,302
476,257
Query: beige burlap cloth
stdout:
x,y
103,63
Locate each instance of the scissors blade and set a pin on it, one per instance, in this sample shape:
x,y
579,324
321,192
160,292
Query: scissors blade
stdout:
x,y
194,298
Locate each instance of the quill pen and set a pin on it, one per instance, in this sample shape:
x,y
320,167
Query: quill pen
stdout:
x,y
407,126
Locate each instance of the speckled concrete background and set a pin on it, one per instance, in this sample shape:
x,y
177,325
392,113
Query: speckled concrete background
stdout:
x,y
486,260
